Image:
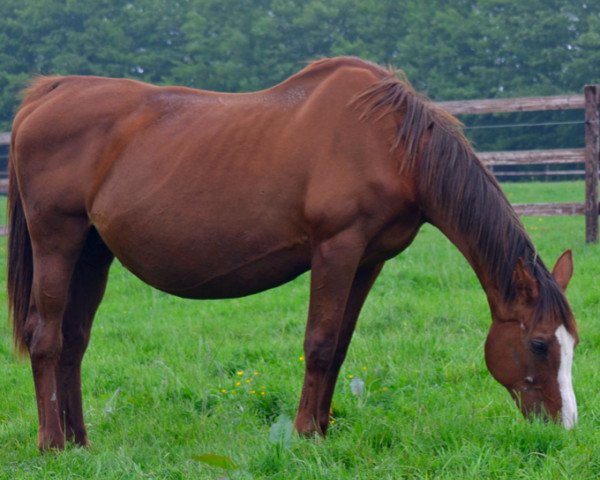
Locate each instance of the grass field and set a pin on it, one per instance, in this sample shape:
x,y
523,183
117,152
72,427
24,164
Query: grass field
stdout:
x,y
167,379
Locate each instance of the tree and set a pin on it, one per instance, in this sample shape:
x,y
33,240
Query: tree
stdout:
x,y
451,50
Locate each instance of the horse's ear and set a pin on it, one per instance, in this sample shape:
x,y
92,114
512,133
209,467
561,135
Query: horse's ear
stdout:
x,y
526,285
563,269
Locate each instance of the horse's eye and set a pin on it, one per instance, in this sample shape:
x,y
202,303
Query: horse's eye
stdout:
x,y
539,347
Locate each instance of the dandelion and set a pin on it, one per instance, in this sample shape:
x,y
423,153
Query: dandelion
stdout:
x,y
223,390
255,373
350,376
252,392
263,393
365,369
239,373
248,381
237,384
301,358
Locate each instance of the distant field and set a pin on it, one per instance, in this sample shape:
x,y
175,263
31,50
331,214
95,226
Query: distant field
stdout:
x,y
160,379
573,191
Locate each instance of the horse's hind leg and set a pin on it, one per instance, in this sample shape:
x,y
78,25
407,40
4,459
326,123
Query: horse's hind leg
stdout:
x,y
56,245
87,289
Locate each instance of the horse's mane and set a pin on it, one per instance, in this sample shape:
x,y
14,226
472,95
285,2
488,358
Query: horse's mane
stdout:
x,y
453,182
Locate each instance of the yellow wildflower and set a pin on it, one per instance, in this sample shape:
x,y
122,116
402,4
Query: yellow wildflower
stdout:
x,y
301,358
239,372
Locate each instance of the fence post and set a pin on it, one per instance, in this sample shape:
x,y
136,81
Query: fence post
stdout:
x,y
592,157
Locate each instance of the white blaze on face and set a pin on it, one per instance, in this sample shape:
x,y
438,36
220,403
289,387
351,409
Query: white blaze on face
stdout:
x,y
565,383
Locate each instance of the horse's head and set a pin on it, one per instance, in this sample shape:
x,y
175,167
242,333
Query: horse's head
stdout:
x,y
530,345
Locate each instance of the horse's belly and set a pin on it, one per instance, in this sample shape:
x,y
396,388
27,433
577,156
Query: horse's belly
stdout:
x,y
207,260
255,276
203,277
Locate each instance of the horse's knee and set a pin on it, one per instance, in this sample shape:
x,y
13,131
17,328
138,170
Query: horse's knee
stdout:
x,y
319,351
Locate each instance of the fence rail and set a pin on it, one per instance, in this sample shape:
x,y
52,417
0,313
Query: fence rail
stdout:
x,y
511,105
549,209
535,157
589,156
534,174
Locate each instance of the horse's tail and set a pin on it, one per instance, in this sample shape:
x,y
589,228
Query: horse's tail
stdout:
x,y
20,260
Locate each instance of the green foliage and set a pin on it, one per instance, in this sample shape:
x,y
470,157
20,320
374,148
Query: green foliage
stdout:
x,y
450,50
218,461
281,431
160,379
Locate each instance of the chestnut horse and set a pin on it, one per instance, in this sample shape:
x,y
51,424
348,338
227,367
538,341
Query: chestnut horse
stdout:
x,y
214,195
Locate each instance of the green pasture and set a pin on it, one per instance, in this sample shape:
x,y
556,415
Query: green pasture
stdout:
x,y
167,380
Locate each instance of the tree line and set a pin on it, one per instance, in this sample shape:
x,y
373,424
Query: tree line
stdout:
x,y
449,50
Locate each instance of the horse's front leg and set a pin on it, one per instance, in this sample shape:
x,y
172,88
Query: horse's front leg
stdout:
x,y
363,281
334,265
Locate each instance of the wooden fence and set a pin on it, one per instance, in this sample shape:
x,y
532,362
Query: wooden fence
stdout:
x,y
589,156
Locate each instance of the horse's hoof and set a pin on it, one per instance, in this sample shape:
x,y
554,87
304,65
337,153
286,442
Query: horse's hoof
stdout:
x,y
309,429
49,444
78,438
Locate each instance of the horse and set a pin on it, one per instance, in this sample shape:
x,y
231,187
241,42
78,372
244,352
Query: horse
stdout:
x,y
209,195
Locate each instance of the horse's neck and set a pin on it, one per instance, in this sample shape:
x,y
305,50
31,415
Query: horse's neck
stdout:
x,y
474,255
478,219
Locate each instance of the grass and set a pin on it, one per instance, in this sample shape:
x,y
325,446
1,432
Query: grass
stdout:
x,y
161,379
